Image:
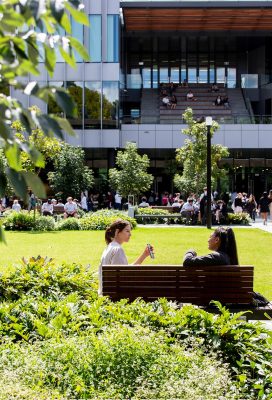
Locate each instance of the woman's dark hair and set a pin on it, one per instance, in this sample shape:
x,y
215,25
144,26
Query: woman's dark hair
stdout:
x,y
119,224
227,243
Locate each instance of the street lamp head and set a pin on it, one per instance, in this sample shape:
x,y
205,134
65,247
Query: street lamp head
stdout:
x,y
209,121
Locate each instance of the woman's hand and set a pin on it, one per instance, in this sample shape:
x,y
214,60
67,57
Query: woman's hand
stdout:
x,y
149,250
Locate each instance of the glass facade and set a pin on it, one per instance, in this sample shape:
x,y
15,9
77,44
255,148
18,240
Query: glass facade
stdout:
x,y
151,60
77,33
110,105
95,37
113,38
52,106
92,105
76,91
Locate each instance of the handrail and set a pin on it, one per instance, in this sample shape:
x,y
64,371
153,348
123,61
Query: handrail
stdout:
x,y
176,119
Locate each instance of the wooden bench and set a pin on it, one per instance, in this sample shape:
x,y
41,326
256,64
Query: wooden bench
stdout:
x,y
230,285
167,217
168,208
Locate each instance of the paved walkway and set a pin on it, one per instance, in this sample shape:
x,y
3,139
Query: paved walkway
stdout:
x,y
256,225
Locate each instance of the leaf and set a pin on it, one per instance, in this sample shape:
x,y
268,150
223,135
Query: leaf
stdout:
x,y
3,184
50,59
50,126
65,23
2,236
57,9
36,157
18,182
66,102
35,183
79,48
78,16
65,125
70,59
12,153
5,130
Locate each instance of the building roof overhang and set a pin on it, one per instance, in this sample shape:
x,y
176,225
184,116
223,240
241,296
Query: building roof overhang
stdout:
x,y
164,16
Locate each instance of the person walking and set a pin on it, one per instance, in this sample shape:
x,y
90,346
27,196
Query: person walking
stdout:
x,y
264,207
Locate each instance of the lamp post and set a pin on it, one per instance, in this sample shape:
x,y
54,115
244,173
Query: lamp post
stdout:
x,y
209,173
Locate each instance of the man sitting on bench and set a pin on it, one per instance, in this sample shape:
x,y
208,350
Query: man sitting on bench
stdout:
x,y
70,208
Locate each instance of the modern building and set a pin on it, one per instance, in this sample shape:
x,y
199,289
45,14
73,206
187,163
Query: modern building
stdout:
x,y
136,46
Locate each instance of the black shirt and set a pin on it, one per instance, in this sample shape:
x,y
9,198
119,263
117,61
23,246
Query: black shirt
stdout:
x,y
215,258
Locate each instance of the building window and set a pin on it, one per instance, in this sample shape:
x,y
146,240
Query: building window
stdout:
x,y
52,107
95,38
77,33
113,38
110,104
92,108
76,91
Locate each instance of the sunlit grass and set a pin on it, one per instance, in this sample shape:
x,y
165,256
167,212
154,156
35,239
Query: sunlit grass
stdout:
x,y
170,244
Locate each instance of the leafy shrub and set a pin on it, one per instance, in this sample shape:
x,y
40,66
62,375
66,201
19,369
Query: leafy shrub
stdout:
x,y
99,221
44,224
116,364
19,221
60,338
69,224
158,220
239,219
41,277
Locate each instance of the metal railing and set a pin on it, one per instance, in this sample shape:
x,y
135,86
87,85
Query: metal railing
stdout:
x,y
236,119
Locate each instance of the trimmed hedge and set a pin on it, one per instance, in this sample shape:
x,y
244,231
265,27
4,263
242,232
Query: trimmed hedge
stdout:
x,y
99,220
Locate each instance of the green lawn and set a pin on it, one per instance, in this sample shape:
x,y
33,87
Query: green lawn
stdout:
x,y
85,247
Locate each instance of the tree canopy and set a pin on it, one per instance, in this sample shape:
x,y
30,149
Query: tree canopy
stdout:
x,y
131,178
193,156
70,176
30,32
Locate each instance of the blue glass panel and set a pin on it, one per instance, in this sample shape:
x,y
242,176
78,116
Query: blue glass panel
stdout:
x,y
77,32
113,38
95,38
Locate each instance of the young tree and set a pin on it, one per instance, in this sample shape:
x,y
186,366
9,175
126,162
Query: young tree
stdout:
x,y
193,156
30,31
71,176
132,177
49,147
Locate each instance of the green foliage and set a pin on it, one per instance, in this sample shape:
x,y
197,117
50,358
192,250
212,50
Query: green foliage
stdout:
x,y
159,220
239,219
46,148
19,221
193,156
44,224
59,337
29,31
24,221
132,177
69,224
71,176
101,219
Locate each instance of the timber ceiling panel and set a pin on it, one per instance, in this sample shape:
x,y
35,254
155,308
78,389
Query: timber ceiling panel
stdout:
x,y
180,19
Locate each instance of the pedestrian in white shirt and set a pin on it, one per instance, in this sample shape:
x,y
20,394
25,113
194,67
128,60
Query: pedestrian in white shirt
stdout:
x,y
70,208
16,206
117,201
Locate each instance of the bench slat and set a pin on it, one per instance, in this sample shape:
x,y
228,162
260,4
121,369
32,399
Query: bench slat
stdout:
x,y
197,285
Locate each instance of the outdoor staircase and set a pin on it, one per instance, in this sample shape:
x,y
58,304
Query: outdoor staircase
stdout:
x,y
238,106
203,106
149,106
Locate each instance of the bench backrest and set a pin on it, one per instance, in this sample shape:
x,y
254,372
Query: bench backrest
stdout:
x,y
196,285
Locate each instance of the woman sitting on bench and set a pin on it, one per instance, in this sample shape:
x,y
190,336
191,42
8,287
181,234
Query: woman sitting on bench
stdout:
x,y
116,234
223,244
